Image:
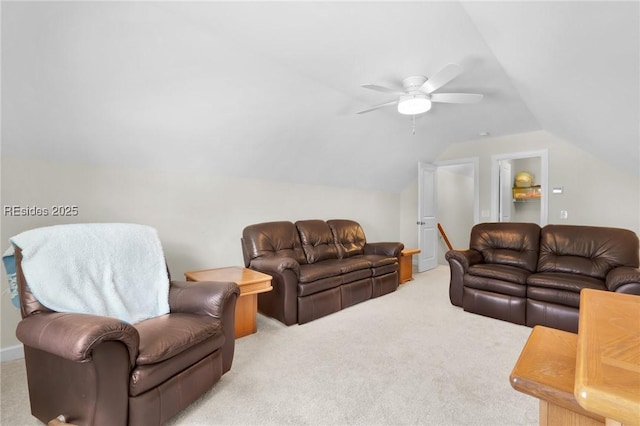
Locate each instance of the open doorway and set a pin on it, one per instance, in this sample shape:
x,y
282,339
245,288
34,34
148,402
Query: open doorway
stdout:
x,y
458,202
507,208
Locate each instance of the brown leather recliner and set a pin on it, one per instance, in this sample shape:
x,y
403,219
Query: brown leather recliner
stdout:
x,y
96,370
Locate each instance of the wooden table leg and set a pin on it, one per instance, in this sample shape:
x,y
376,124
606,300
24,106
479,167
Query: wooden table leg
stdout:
x,y
406,265
555,415
245,319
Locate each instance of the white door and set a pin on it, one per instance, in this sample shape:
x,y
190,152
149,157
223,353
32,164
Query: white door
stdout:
x,y
506,197
427,208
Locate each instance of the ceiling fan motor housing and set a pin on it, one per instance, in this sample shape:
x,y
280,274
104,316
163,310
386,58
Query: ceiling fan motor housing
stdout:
x,y
413,83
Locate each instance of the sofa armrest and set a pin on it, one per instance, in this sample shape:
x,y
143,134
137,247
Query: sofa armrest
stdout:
x,y
281,302
212,298
275,265
624,279
74,336
459,262
201,297
385,248
466,258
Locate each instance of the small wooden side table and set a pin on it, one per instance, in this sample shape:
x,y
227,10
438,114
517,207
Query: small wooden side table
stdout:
x,y
250,282
406,264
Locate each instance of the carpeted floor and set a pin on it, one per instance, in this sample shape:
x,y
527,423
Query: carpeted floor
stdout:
x,y
405,358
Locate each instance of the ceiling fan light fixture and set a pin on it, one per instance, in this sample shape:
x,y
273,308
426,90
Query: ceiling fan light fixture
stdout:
x,y
414,104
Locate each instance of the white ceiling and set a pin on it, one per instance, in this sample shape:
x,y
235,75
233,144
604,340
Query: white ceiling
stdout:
x,y
270,89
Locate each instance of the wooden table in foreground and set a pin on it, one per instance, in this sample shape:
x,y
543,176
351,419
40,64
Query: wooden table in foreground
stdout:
x,y
546,369
406,264
250,282
608,357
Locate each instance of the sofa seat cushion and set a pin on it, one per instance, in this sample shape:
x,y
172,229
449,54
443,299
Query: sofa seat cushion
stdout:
x,y
149,376
554,296
355,276
565,281
385,270
331,268
170,344
317,271
306,289
377,260
166,336
494,285
500,272
352,264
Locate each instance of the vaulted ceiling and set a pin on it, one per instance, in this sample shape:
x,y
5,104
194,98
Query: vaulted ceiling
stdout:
x,y
270,89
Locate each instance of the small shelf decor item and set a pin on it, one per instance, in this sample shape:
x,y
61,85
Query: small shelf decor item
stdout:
x,y
524,188
523,180
532,192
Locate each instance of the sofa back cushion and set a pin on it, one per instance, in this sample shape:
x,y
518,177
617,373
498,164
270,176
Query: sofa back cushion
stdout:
x,y
586,250
348,236
513,244
272,239
317,240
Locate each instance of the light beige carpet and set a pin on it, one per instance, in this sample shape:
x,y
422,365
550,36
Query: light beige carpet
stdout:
x,y
405,358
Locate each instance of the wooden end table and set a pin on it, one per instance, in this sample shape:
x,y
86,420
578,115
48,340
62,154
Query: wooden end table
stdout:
x,y
250,282
406,264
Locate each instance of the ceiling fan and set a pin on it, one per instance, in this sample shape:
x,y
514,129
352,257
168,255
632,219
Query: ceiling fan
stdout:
x,y
418,93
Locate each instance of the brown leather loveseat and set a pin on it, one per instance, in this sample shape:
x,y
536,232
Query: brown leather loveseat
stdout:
x,y
528,275
318,267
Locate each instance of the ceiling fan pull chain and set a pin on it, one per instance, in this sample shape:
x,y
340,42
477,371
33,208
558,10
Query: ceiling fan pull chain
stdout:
x,y
414,126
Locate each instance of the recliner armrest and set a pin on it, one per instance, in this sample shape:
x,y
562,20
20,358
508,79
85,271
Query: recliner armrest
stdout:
x,y
622,276
74,336
384,248
212,298
201,297
275,264
466,258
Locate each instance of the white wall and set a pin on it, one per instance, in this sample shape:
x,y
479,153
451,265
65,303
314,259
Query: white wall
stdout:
x,y
199,217
455,210
409,214
595,193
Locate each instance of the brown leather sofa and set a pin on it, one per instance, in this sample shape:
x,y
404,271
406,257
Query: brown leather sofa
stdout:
x,y
528,275
318,267
95,370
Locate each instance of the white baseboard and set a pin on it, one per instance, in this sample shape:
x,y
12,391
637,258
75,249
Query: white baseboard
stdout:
x,y
11,353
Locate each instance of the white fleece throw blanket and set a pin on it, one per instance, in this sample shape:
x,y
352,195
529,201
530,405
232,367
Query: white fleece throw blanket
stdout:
x,y
108,269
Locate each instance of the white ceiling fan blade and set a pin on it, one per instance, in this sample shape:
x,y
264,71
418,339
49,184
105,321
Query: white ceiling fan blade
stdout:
x,y
382,89
441,78
378,106
456,98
